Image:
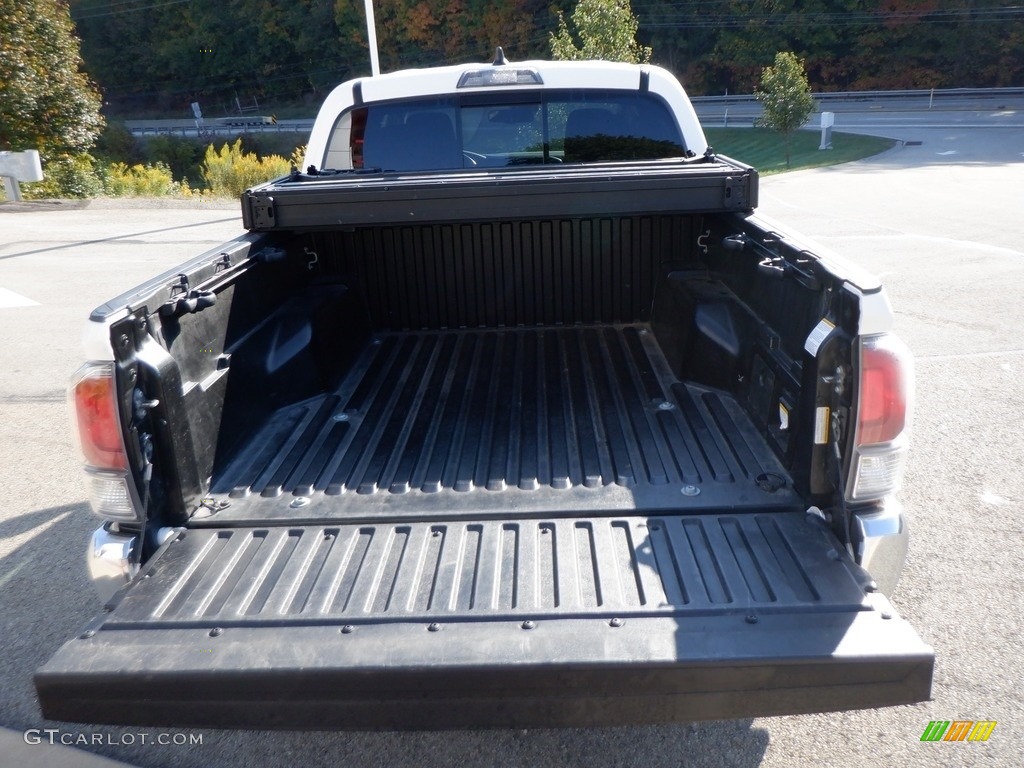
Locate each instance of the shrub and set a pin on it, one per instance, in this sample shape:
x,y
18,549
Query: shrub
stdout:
x,y
117,144
156,180
269,143
230,171
182,155
66,176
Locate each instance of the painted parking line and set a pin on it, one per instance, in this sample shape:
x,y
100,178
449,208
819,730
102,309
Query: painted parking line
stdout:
x,y
10,299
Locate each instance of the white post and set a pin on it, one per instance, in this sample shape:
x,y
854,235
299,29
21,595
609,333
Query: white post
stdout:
x,y
19,166
828,119
371,32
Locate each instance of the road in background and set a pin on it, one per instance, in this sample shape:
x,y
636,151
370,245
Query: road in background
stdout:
x,y
883,116
939,221
868,113
211,129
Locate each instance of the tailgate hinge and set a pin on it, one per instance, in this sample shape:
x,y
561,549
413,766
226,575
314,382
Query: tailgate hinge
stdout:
x,y
842,519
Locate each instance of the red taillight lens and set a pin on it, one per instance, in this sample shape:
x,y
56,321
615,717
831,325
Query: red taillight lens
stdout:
x,y
99,429
885,387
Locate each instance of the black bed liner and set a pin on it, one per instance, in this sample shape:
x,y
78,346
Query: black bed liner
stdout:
x,y
578,621
469,423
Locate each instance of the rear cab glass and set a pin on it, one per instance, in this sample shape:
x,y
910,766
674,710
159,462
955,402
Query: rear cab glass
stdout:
x,y
492,130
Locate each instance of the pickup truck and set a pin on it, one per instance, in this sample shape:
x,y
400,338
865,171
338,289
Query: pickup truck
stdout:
x,y
506,411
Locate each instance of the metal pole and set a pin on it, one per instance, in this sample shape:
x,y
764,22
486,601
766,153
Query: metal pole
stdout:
x,y
12,188
371,31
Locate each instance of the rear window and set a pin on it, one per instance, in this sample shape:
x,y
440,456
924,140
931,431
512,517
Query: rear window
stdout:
x,y
498,130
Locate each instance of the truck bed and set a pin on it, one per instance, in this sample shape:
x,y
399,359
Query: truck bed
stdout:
x,y
477,422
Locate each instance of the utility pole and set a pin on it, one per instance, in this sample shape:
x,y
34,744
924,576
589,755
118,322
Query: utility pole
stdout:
x,y
371,32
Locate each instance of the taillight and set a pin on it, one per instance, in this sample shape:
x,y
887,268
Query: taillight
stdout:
x,y
884,399
93,395
884,390
99,429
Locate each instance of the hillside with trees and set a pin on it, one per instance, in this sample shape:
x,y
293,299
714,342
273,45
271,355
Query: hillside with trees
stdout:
x,y
160,55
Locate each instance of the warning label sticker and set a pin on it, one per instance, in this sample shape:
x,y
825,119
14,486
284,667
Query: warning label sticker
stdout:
x,y
818,336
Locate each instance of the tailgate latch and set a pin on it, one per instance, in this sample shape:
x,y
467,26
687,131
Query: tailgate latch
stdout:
x,y
734,193
262,212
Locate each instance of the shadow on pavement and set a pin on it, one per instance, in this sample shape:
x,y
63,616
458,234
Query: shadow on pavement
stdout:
x,y
114,238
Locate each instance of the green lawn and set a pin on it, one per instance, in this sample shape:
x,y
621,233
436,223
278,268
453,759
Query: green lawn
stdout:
x,y
766,150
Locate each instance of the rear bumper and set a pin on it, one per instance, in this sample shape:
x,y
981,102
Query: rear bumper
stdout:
x,y
880,538
109,560
583,672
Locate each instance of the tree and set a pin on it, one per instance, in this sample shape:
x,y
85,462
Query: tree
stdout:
x,y
786,96
606,30
46,101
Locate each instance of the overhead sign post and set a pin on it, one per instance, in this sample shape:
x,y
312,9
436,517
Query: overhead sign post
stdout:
x,y
200,123
19,167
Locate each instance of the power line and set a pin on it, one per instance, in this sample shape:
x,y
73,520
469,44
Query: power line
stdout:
x,y
88,12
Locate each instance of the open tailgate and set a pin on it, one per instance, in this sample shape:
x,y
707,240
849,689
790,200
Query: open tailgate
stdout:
x,y
540,622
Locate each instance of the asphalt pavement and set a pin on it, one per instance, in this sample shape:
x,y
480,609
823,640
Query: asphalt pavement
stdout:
x,y
907,114
939,220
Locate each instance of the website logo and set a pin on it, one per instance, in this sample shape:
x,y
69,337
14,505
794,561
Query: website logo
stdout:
x,y
958,730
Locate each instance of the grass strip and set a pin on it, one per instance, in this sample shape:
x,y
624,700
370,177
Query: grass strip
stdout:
x,y
766,150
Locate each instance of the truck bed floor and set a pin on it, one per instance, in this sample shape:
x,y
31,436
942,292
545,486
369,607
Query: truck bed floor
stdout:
x,y
459,424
